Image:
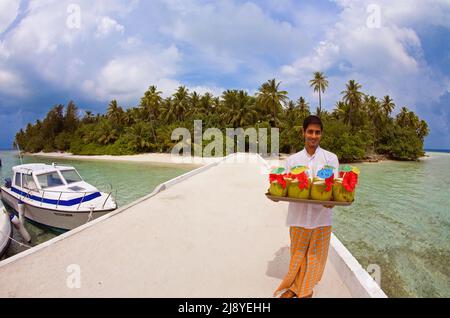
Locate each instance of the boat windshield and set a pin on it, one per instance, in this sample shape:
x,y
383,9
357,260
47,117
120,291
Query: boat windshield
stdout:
x,y
71,176
48,180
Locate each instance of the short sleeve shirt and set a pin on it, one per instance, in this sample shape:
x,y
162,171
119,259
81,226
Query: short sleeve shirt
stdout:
x,y
304,214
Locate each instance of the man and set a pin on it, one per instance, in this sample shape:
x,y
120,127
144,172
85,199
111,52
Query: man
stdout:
x,y
310,224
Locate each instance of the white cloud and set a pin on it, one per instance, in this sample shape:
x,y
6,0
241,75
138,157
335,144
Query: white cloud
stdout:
x,y
385,60
9,10
45,28
107,26
55,52
232,35
11,84
127,77
201,89
3,51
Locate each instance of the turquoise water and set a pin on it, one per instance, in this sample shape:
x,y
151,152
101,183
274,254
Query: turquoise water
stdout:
x,y
131,180
401,221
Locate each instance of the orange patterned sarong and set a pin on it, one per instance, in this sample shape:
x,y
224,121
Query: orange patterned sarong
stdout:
x,y
309,252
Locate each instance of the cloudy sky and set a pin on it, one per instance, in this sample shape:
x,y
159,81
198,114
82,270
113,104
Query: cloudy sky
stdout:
x,y
53,51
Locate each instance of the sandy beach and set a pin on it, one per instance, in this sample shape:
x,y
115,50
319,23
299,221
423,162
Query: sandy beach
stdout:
x,y
168,159
154,158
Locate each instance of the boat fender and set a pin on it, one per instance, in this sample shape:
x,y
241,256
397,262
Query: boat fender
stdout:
x,y
20,225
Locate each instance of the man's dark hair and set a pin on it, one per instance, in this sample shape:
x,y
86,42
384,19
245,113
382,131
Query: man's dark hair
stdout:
x,y
312,120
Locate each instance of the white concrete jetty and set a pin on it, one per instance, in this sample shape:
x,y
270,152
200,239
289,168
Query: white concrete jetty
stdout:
x,y
208,233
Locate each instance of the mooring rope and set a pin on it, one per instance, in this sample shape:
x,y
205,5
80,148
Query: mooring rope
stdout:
x,y
16,241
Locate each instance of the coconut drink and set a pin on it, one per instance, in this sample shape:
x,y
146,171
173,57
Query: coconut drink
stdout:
x,y
298,183
344,186
278,185
321,187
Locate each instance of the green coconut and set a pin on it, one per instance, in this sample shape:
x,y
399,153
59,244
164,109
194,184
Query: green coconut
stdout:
x,y
277,190
295,192
340,194
318,190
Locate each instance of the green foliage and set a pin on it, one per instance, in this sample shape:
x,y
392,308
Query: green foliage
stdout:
x,y
401,143
359,124
347,145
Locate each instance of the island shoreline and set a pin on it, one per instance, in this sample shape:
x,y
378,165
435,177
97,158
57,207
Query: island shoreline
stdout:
x,y
169,159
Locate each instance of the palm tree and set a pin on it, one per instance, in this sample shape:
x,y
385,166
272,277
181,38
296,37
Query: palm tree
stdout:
x,y
207,104
303,107
168,114
353,98
320,84
342,111
402,118
422,130
413,120
194,106
291,125
271,98
387,104
108,133
140,136
373,109
180,102
240,108
115,112
151,103
130,116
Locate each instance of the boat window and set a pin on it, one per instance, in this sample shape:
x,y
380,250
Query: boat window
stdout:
x,y
28,182
71,176
18,179
49,180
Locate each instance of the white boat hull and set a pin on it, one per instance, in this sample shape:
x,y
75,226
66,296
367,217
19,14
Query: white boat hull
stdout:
x,y
5,231
59,218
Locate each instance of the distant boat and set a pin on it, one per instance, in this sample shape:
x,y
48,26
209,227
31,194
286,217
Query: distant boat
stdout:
x,y
54,196
5,230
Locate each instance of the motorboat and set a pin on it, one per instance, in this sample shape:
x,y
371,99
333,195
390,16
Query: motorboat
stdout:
x,y
55,196
5,230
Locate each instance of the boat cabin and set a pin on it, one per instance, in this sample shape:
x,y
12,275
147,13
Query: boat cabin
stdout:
x,y
37,177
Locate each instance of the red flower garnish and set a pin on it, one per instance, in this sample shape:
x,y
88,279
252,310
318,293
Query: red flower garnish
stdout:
x,y
350,181
302,179
278,178
329,182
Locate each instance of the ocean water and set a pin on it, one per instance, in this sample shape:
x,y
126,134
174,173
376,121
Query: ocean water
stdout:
x,y
131,180
401,222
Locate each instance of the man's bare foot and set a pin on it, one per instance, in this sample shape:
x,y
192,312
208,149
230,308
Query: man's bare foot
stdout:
x,y
288,294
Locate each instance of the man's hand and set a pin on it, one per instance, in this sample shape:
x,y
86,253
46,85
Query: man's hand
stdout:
x,y
329,206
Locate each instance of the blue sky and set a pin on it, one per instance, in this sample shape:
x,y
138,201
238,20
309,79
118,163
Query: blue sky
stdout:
x,y
116,49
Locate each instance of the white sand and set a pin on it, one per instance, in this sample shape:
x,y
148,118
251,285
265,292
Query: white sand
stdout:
x,y
164,158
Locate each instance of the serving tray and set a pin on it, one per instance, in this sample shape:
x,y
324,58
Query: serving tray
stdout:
x,y
287,199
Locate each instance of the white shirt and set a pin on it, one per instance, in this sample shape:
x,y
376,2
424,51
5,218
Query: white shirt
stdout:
x,y
308,215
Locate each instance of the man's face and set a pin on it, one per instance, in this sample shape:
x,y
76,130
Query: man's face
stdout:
x,y
312,134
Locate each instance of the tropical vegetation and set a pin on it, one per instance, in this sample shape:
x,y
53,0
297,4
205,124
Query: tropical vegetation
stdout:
x,y
358,127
